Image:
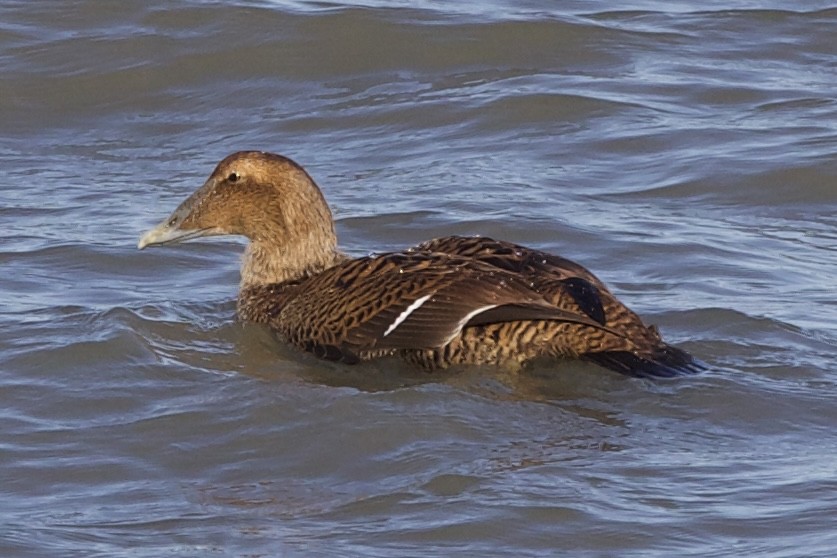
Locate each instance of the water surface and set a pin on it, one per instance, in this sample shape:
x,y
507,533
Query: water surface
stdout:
x,y
683,153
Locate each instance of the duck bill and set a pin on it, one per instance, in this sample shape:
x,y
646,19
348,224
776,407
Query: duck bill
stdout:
x,y
173,230
168,233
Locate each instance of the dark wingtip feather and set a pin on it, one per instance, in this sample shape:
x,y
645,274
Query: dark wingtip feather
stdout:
x,y
667,362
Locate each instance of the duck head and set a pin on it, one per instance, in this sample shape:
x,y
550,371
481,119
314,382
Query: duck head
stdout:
x,y
267,198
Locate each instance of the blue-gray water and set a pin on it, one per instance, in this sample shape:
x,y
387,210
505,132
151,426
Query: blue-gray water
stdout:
x,y
685,152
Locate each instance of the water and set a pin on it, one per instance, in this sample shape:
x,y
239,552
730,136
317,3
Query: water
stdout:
x,y
684,154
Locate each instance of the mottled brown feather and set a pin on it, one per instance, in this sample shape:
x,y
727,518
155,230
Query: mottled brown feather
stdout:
x,y
451,300
356,305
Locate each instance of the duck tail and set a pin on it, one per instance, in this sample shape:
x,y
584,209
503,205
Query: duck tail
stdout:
x,y
664,362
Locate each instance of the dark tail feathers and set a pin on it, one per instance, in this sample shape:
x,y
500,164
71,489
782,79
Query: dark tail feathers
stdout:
x,y
666,362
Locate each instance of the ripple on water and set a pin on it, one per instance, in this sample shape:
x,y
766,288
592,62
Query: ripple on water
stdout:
x,y
685,156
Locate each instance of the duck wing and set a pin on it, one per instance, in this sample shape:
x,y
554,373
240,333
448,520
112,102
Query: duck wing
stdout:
x,y
509,256
570,286
415,300
565,283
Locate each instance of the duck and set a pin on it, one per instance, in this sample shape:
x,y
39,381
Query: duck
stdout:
x,y
454,300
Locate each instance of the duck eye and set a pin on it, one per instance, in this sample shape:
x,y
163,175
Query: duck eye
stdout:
x,y
233,177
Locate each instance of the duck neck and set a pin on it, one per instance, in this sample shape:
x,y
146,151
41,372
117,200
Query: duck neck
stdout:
x,y
268,262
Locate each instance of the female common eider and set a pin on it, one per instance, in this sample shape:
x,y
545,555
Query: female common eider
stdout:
x,y
452,300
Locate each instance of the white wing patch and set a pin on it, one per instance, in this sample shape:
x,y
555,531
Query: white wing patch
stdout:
x,y
470,315
405,314
463,322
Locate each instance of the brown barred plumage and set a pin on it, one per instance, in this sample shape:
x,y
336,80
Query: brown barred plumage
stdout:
x,y
452,300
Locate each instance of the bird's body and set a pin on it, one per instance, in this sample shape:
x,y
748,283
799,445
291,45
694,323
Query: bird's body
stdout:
x,y
452,300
